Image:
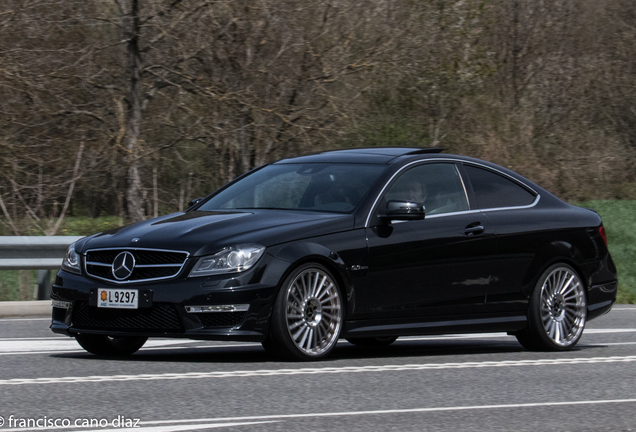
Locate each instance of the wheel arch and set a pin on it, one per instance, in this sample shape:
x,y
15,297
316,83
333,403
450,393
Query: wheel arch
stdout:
x,y
278,341
556,252
298,254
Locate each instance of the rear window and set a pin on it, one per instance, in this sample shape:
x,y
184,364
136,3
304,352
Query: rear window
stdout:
x,y
493,190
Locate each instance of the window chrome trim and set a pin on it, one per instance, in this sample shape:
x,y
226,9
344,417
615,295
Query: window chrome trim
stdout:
x,y
461,178
536,201
463,212
508,176
429,160
87,263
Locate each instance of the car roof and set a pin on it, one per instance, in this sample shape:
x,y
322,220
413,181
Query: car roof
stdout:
x,y
390,155
371,155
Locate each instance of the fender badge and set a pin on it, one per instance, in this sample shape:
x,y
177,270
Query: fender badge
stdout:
x,y
135,240
358,267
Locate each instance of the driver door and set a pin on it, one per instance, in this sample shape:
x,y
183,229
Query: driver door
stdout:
x,y
441,265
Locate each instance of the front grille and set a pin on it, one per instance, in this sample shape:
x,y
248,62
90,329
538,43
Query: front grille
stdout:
x,y
59,314
150,264
221,319
161,317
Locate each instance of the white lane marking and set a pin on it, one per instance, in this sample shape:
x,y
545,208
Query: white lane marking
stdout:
x,y
182,425
611,343
505,335
42,352
397,411
144,349
55,345
316,371
60,345
606,331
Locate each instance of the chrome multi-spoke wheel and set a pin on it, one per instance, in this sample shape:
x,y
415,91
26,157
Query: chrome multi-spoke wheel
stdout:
x,y
556,312
563,308
308,315
313,312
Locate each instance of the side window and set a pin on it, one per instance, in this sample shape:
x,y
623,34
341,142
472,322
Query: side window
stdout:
x,y
496,191
436,185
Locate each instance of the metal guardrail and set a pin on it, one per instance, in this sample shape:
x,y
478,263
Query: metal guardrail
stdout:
x,y
42,253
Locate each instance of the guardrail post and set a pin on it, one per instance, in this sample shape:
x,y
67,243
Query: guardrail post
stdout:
x,y
44,284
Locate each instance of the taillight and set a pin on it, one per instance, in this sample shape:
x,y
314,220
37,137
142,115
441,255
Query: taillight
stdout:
x,y
601,231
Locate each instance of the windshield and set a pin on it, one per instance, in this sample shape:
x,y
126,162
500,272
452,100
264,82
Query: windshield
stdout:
x,y
316,186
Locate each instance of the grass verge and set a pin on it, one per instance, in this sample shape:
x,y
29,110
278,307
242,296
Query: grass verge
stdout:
x,y
619,219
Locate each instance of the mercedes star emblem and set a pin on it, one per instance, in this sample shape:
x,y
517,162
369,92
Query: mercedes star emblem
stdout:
x,y
123,265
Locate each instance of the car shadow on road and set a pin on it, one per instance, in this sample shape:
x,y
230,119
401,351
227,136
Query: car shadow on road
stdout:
x,y
250,354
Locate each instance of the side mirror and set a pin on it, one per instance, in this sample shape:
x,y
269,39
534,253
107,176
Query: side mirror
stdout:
x,y
194,202
404,210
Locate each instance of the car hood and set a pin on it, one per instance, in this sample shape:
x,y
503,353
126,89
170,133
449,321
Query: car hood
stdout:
x,y
203,233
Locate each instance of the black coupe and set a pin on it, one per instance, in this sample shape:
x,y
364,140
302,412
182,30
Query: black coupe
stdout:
x,y
362,244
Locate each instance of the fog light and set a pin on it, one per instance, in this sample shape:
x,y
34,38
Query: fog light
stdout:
x,y
217,308
60,304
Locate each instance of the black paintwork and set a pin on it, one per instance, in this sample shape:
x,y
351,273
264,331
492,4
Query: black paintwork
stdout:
x,y
429,276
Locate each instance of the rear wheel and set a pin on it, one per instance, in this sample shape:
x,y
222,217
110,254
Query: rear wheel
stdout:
x,y
557,311
372,341
110,345
308,315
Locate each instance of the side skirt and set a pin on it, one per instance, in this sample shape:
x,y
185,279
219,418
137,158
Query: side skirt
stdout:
x,y
374,328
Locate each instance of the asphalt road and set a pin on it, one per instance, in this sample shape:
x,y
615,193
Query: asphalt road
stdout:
x,y
483,382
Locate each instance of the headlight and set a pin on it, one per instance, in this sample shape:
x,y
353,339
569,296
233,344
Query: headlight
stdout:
x,y
71,261
230,260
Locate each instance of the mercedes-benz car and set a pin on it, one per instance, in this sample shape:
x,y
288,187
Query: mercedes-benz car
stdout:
x,y
362,244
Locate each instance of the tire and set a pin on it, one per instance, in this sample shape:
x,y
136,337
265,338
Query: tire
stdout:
x,y
556,312
308,315
372,341
110,346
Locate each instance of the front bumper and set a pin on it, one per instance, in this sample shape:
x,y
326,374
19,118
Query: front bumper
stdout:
x,y
162,306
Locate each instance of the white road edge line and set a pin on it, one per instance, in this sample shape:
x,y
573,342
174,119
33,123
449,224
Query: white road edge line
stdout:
x,y
316,371
149,350
395,411
209,423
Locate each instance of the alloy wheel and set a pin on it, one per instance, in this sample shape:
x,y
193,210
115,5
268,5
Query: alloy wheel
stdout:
x,y
313,312
563,309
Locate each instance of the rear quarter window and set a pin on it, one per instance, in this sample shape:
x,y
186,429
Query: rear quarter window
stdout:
x,y
493,190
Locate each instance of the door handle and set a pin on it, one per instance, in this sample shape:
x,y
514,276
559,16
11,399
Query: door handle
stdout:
x,y
474,229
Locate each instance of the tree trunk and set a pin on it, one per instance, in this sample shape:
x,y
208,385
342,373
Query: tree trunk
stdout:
x,y
133,125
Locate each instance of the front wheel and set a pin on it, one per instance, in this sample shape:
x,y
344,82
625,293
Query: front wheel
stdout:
x,y
308,315
557,311
110,345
